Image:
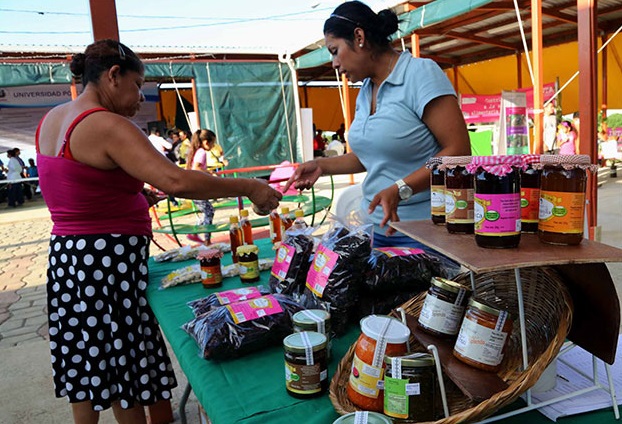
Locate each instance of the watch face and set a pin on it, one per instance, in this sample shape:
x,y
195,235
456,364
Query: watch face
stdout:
x,y
405,192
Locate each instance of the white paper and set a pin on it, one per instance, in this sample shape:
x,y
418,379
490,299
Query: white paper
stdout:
x,y
568,381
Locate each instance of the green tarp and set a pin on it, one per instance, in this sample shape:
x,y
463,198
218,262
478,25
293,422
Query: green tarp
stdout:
x,y
249,105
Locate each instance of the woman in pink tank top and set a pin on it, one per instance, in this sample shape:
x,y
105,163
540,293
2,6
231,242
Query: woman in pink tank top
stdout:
x,y
107,349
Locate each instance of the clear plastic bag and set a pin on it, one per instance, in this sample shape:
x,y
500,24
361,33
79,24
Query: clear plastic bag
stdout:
x,y
216,300
292,262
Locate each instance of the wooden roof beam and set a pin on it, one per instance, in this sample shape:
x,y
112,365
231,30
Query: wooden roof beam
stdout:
x,y
481,40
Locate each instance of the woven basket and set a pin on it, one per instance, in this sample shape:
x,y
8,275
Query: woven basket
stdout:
x,y
548,316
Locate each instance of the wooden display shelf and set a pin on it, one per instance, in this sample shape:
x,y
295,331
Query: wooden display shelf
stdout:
x,y
596,318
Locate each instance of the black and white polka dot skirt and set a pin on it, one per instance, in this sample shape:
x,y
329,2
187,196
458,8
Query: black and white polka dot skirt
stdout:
x,y
105,341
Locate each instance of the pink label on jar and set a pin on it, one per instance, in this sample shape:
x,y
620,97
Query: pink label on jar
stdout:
x,y
497,214
254,308
282,261
323,264
399,251
237,295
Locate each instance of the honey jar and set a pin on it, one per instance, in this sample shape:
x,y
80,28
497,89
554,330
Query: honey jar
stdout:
x,y
380,336
529,193
211,275
562,198
483,335
459,192
443,307
437,190
317,320
248,263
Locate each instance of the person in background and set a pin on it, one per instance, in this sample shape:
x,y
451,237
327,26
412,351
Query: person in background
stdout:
x,y
549,132
576,123
184,146
14,172
202,143
341,132
2,170
216,158
32,172
318,144
173,152
567,140
26,188
106,347
159,142
336,145
406,112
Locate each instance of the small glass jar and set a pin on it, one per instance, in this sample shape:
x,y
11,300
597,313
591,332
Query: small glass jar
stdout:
x,y
562,198
443,307
380,336
306,364
317,320
211,275
363,417
410,388
483,335
437,190
529,193
248,263
459,194
497,200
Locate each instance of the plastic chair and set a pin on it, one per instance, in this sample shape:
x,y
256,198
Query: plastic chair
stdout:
x,y
348,202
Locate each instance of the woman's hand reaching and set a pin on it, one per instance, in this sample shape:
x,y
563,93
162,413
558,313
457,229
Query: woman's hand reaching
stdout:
x,y
388,199
304,176
264,197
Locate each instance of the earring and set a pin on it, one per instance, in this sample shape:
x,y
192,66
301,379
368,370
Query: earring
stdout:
x,y
361,45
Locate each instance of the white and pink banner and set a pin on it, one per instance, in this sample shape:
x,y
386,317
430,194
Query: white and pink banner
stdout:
x,y
479,108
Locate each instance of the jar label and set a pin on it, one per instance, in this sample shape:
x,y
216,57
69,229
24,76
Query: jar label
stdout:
x,y
441,315
529,204
479,343
211,275
364,378
437,200
400,251
561,212
305,379
232,296
396,397
497,214
323,264
459,206
248,270
282,261
254,308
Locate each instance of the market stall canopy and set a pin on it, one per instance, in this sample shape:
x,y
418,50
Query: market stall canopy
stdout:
x,y
456,33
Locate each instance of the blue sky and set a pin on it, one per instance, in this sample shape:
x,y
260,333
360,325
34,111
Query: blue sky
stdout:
x,y
266,26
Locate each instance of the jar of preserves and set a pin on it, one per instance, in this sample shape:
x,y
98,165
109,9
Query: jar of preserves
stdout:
x,y
306,364
483,335
317,320
248,263
529,193
437,190
380,336
410,388
459,191
562,198
497,200
443,307
211,275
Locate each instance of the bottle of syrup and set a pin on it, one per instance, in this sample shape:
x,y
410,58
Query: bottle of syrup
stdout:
x,y
247,228
286,220
235,236
275,226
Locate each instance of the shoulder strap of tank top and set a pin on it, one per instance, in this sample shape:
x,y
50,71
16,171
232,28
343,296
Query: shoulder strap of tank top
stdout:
x,y
65,151
39,131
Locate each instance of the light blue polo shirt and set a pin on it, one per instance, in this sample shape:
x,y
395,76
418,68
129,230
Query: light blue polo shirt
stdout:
x,y
394,142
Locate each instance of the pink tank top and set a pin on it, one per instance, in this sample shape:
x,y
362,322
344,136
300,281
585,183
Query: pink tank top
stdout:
x,y
86,200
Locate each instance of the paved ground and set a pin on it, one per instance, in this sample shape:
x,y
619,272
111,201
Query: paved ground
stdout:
x,y
25,373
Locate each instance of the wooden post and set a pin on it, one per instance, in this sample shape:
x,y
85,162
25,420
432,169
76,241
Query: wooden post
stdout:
x,y
586,22
104,19
347,113
414,45
538,97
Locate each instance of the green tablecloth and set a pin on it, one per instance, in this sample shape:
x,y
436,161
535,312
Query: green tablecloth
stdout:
x,y
250,389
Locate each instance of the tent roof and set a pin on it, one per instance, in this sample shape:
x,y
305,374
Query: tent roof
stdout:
x,y
488,31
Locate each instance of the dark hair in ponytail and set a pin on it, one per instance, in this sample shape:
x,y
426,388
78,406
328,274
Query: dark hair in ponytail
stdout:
x,y
101,56
353,14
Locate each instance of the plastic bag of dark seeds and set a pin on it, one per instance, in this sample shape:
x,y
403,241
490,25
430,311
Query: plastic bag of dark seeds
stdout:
x,y
216,300
338,267
292,262
244,327
393,269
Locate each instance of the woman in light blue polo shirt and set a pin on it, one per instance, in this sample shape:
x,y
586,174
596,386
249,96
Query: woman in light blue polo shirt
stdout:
x,y
406,112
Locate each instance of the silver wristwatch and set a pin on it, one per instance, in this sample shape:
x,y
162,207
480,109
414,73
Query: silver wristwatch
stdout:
x,y
404,190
